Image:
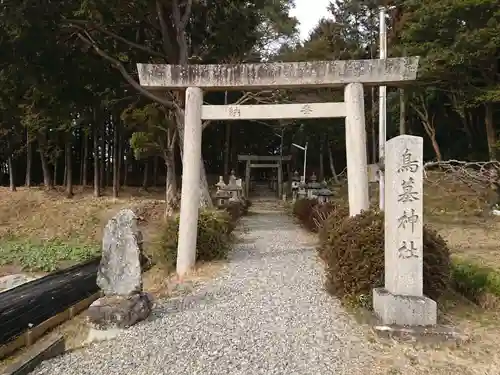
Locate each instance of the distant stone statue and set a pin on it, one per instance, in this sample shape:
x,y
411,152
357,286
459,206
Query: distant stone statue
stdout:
x,y
232,178
120,276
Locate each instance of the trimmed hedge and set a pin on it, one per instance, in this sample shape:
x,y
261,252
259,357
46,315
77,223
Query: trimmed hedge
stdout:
x,y
353,250
353,253
479,284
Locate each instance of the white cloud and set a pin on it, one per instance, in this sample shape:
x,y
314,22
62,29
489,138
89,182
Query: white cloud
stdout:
x,y
309,12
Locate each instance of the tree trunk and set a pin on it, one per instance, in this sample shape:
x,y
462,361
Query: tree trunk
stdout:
x,y
402,112
170,185
155,171
85,159
431,132
47,180
82,137
68,167
321,166
332,165
428,123
97,174
55,172
120,158
116,169
102,156
29,159
12,182
435,146
65,174
109,157
490,131
145,176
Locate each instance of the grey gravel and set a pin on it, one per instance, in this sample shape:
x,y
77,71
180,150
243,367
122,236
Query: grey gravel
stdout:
x,y
267,313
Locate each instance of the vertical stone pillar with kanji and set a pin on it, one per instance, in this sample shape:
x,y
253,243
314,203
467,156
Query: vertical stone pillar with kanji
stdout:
x,y
402,301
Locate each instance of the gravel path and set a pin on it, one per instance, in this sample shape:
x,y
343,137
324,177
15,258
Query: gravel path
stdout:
x,y
266,313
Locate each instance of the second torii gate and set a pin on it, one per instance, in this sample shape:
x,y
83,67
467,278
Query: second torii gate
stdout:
x,y
277,163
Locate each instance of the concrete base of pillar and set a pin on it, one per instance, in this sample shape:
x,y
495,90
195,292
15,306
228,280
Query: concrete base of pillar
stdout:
x,y
404,310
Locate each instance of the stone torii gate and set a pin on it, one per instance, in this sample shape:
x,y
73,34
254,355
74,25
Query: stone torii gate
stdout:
x,y
277,162
350,74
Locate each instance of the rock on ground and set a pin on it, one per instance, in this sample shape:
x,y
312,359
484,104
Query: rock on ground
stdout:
x,y
267,313
111,312
120,271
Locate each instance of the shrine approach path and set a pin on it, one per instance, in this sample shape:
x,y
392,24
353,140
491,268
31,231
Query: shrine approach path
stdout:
x,y
265,313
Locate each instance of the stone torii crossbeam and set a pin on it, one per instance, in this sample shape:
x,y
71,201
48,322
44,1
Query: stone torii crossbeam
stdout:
x,y
350,74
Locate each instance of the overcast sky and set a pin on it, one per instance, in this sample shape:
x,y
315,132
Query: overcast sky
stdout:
x,y
309,12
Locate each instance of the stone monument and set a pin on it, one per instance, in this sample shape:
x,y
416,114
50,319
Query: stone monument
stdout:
x,y
402,302
120,276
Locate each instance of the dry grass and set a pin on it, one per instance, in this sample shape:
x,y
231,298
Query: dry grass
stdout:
x,y
35,218
36,213
478,356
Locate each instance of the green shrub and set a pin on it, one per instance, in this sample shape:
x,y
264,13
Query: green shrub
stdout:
x,y
213,241
480,285
353,251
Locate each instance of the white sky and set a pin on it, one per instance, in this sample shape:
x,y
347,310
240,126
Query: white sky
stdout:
x,y
309,12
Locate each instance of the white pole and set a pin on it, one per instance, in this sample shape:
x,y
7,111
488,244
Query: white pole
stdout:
x,y
305,161
190,193
355,141
382,113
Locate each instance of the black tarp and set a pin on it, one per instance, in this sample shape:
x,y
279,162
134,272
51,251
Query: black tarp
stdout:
x,y
32,303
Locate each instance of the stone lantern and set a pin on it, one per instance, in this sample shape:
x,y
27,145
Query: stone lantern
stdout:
x,y
233,188
313,187
241,186
222,195
221,184
324,195
273,182
302,193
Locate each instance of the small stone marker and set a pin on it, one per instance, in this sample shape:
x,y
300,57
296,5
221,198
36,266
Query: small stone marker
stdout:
x,y
120,277
402,302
